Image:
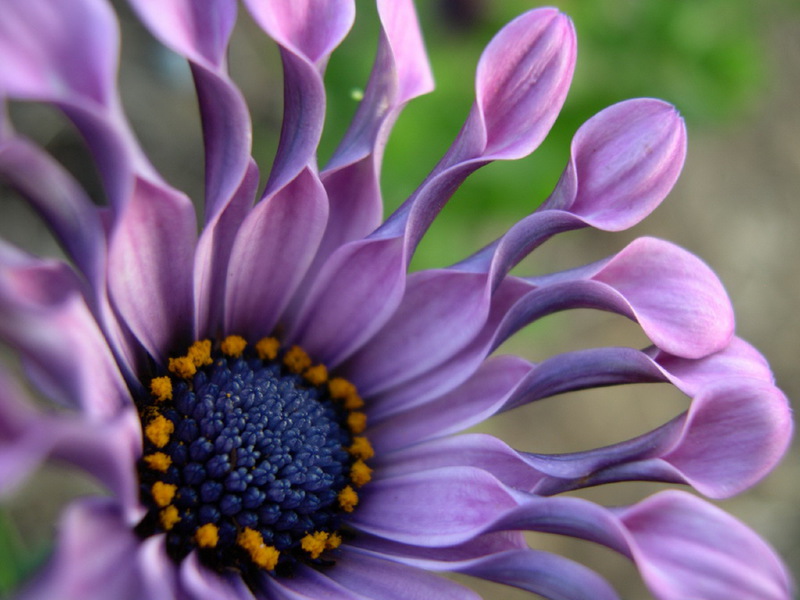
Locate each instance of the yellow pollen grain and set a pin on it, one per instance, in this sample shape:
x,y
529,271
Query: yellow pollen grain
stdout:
x,y
267,348
316,375
348,499
357,422
353,402
296,359
200,353
333,542
158,431
233,346
207,536
314,543
169,517
158,461
360,473
182,366
340,388
161,388
163,493
361,448
262,555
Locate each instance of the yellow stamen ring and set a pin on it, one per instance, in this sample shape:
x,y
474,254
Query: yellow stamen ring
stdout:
x,y
361,448
163,493
233,346
267,348
315,543
207,536
200,353
316,375
161,388
296,359
357,422
158,431
168,517
158,461
348,499
360,473
262,555
182,366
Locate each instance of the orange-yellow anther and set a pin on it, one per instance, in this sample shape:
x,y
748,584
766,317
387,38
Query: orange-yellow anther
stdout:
x,y
233,346
348,499
315,543
168,517
158,461
161,388
207,535
340,388
360,473
158,431
357,422
163,493
316,375
333,542
182,366
262,555
200,353
267,348
361,448
296,359
353,402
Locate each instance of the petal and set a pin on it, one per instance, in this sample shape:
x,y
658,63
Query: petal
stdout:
x,y
307,31
93,560
202,584
45,318
432,508
687,548
522,81
308,584
542,573
150,268
440,311
273,248
623,163
377,578
736,432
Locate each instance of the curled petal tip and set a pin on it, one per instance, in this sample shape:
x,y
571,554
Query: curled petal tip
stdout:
x,y
522,81
624,161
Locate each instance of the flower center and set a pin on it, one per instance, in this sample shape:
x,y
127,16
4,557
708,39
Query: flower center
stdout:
x,y
252,456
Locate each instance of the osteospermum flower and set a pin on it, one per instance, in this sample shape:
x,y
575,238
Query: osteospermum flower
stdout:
x,y
275,405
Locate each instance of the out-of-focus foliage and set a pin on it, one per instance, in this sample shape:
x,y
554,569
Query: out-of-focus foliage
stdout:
x,y
708,58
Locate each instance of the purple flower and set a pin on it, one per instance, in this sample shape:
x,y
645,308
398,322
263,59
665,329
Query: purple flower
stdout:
x,y
277,407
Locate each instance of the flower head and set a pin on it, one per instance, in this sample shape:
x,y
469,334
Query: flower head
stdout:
x,y
277,406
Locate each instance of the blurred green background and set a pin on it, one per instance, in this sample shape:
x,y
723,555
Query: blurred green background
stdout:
x,y
732,68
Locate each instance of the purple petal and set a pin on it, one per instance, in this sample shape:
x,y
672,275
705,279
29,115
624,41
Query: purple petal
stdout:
x,y
354,294
150,268
213,254
307,31
548,575
624,161
43,315
198,31
307,584
95,557
273,248
373,577
432,508
396,426
60,201
687,548
203,584
679,302
440,311
736,432
522,81
469,450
